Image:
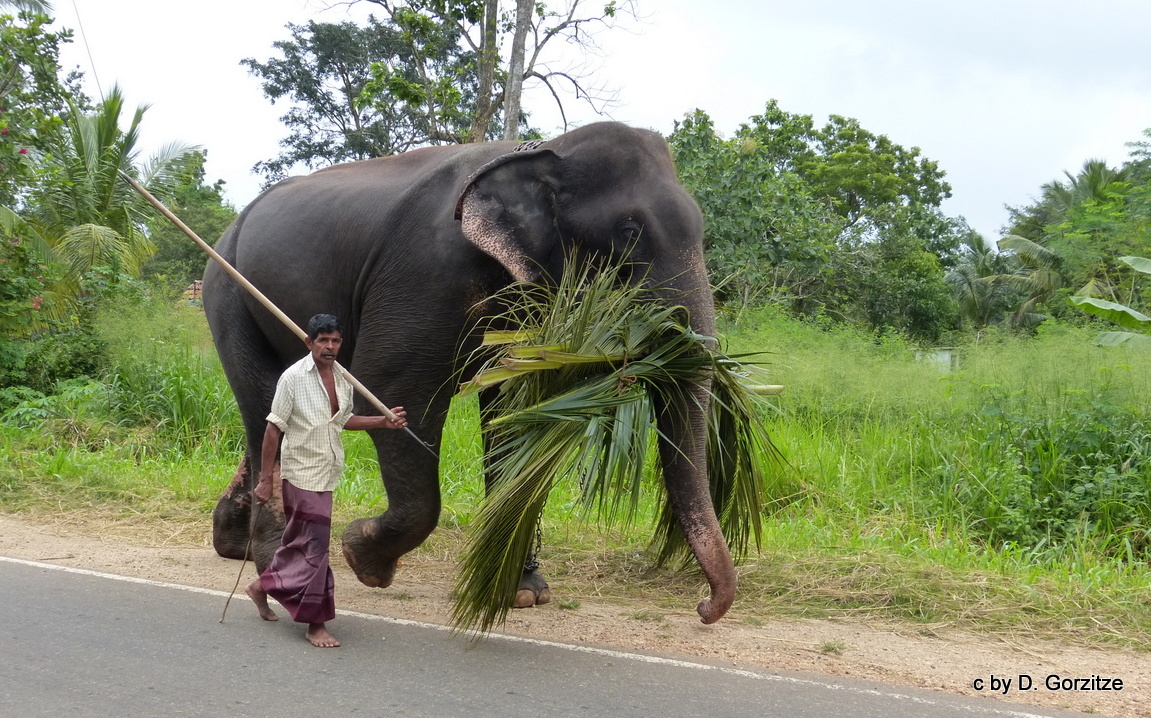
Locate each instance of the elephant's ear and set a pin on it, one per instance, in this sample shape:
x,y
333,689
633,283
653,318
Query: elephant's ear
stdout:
x,y
507,209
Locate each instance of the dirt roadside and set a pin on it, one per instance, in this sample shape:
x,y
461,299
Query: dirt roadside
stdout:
x,y
899,655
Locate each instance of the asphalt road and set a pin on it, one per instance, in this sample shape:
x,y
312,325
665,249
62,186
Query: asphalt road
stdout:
x,y
83,644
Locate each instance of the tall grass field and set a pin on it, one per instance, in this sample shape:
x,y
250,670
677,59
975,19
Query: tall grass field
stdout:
x,y
1006,489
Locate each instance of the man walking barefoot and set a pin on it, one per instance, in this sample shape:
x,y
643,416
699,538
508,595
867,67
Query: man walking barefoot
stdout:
x,y
312,405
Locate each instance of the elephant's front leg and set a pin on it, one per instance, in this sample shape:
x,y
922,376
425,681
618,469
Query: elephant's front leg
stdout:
x,y
533,589
373,546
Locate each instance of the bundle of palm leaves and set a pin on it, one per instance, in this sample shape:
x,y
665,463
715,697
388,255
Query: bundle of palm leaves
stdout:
x,y
578,373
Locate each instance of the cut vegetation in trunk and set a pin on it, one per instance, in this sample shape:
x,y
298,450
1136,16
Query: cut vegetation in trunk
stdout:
x,y
579,371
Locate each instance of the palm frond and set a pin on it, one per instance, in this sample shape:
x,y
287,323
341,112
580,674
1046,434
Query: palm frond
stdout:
x,y
578,369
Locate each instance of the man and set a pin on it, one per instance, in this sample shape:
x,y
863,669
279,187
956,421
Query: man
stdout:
x,y
313,403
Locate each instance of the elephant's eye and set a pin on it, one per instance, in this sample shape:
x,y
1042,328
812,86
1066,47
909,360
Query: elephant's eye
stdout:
x,y
630,230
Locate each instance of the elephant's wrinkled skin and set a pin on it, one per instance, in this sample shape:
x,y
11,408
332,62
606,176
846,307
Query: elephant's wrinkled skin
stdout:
x,y
402,248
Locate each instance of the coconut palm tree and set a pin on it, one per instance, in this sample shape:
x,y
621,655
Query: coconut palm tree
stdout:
x,y
37,6
1036,275
978,282
1093,183
85,213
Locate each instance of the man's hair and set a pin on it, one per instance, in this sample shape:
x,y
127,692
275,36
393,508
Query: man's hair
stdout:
x,y
323,324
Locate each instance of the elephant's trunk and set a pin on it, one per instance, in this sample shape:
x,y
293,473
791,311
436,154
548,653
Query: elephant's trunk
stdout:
x,y
682,421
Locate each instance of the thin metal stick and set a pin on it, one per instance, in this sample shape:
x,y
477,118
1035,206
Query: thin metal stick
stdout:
x,y
244,563
251,288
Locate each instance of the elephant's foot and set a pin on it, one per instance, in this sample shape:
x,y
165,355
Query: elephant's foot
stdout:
x,y
533,590
233,532
362,552
233,514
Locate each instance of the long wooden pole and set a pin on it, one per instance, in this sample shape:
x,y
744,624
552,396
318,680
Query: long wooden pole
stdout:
x,y
251,288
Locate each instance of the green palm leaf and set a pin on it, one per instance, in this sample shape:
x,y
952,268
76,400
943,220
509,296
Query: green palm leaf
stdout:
x,y
586,412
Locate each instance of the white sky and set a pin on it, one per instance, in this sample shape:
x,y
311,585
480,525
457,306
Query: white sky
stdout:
x,y
1004,94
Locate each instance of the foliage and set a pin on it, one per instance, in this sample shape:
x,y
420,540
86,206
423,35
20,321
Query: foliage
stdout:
x,y
1120,314
579,377
819,218
1070,238
894,283
144,364
435,90
32,99
883,444
980,283
22,287
434,82
766,235
61,353
178,259
1036,444
322,71
168,355
85,213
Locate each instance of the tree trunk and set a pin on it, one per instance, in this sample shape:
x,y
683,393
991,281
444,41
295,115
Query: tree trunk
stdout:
x,y
515,84
489,58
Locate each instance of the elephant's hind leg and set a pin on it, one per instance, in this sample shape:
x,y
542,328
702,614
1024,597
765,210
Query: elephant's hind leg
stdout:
x,y
232,515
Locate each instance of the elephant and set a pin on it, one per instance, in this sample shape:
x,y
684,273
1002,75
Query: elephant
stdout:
x,y
407,250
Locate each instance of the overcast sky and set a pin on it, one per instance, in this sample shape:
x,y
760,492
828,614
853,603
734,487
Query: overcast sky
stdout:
x,y
1004,94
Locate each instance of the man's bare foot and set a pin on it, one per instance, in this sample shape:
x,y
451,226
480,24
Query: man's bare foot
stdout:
x,y
319,637
260,597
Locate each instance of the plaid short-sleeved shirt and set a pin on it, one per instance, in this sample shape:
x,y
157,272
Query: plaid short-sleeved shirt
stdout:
x,y
312,455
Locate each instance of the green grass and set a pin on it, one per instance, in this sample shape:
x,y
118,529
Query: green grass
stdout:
x,y
1010,495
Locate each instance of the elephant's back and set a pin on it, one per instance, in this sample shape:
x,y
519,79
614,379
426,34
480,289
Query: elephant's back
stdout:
x,y
321,242
352,208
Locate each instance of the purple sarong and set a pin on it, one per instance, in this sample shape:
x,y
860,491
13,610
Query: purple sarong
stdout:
x,y
299,576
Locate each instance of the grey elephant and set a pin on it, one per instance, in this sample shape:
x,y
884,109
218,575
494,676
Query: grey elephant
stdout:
x,y
406,249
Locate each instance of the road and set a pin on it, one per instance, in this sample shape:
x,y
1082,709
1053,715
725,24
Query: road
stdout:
x,y
86,644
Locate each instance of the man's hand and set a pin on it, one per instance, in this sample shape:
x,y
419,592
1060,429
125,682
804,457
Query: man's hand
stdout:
x,y
263,490
399,422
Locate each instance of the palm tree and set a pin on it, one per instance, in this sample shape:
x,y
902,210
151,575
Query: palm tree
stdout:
x,y
977,281
1093,183
37,6
86,214
1036,275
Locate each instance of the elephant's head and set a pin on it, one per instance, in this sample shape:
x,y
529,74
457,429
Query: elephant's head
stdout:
x,y
610,190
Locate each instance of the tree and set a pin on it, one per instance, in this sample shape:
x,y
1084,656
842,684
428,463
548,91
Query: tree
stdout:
x,y
861,172
87,215
765,234
32,99
1070,237
321,72
39,7
892,282
202,207
481,26
978,285
824,219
